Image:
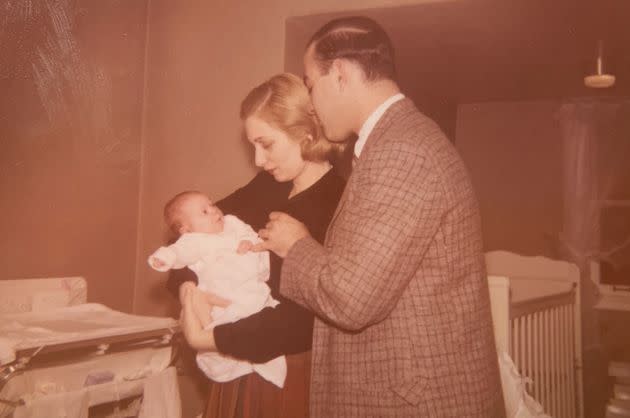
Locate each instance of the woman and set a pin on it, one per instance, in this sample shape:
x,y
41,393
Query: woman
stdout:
x,y
297,179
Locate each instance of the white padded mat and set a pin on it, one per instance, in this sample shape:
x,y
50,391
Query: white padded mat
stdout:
x,y
70,324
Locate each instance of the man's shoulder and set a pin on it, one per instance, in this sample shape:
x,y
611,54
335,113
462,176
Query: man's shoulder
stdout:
x,y
410,137
404,125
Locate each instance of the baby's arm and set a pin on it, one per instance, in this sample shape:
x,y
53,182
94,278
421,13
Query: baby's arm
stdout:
x,y
187,250
163,259
246,235
247,239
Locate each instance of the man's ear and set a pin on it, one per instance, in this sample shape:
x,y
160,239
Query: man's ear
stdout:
x,y
345,72
339,72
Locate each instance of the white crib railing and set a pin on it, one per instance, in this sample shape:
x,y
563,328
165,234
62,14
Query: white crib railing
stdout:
x,y
537,320
543,348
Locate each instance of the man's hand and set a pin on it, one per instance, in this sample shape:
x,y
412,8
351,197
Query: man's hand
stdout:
x,y
280,233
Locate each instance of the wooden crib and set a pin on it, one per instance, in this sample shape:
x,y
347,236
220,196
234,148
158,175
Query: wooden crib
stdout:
x,y
536,315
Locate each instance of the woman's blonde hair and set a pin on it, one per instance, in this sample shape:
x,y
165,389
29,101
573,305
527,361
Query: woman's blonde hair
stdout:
x,y
283,102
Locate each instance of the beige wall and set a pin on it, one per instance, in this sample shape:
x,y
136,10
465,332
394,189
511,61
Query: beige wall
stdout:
x,y
71,82
514,154
203,57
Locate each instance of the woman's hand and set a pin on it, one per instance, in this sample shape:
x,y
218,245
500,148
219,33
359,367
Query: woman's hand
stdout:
x,y
202,304
184,289
191,327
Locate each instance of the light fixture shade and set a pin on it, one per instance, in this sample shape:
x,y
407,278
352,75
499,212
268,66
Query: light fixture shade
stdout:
x,y
599,81
599,75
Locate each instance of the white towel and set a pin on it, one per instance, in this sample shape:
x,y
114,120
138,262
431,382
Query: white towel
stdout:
x,y
221,368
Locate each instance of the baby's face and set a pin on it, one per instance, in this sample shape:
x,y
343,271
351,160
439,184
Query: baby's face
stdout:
x,y
198,214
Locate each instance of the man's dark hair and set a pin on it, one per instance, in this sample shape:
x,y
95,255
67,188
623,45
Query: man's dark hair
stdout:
x,y
359,39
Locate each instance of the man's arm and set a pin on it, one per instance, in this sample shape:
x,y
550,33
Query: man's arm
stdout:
x,y
378,241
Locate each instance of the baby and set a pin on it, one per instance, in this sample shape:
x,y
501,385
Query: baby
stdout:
x,y
216,248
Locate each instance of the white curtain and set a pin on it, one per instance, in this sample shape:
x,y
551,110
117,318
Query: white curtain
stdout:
x,y
596,151
596,142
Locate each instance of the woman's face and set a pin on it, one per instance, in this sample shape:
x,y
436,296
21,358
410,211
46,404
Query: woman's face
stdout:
x,y
274,151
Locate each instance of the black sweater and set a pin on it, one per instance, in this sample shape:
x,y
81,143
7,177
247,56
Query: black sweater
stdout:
x,y
287,328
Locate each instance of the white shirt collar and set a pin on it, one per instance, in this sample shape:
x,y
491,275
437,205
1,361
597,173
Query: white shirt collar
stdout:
x,y
371,121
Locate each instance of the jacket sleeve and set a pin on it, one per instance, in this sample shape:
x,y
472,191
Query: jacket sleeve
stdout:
x,y
375,244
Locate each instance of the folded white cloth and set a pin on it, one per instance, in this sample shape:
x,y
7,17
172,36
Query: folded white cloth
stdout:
x,y
221,368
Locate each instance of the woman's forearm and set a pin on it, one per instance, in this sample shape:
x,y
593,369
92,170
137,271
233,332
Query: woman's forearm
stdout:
x,y
285,329
198,338
202,341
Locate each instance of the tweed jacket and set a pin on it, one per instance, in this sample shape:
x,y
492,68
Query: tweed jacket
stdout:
x,y
403,325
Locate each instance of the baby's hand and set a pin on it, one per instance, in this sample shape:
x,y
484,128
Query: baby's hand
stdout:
x,y
157,264
244,246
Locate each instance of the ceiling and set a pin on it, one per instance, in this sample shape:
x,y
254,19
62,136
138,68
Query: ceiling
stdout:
x,y
495,50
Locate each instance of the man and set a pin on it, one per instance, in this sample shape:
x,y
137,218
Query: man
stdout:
x,y
399,288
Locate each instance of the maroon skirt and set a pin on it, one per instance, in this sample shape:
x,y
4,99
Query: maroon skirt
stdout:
x,y
251,396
